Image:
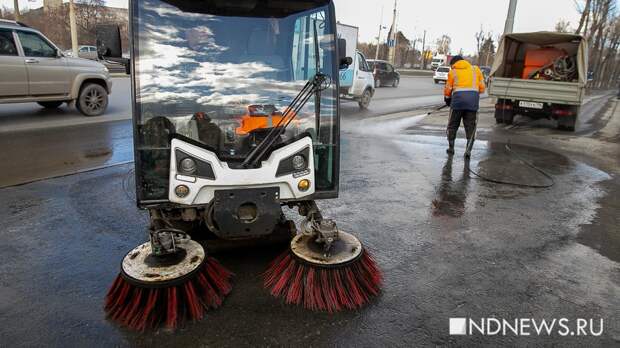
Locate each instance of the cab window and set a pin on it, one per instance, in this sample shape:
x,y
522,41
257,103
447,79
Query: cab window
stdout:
x,y
361,62
35,46
7,44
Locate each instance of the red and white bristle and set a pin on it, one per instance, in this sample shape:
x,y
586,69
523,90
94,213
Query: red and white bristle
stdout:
x,y
320,288
141,308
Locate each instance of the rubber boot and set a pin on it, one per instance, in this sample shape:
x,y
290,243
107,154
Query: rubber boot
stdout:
x,y
450,149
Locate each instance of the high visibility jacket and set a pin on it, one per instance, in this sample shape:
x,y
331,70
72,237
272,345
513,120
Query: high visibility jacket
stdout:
x,y
465,84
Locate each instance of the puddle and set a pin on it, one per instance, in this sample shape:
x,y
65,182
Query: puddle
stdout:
x,y
603,233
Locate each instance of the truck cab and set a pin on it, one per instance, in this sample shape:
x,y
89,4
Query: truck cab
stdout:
x,y
357,81
438,60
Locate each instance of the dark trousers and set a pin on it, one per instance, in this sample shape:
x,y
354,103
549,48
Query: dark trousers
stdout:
x,y
470,119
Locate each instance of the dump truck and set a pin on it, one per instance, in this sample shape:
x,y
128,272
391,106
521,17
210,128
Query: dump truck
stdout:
x,y
540,75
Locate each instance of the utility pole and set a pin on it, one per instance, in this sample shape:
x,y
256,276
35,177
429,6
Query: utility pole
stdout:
x,y
16,7
423,55
392,39
379,35
74,38
510,19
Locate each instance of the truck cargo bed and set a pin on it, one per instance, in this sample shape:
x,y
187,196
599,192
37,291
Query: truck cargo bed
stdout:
x,y
569,93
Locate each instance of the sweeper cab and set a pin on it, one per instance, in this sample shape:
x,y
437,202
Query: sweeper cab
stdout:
x,y
235,115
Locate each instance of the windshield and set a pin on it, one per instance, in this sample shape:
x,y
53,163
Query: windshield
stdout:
x,y
223,81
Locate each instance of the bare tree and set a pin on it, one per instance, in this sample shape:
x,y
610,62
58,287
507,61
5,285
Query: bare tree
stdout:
x,y
585,13
562,26
443,44
487,51
480,36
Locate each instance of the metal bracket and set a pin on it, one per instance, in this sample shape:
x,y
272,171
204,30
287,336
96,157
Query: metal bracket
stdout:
x,y
324,231
164,239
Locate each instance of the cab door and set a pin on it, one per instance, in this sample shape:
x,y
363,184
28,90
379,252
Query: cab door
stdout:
x,y
47,70
363,75
14,80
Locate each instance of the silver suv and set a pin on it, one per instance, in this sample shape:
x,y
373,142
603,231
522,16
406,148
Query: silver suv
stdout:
x,y
33,69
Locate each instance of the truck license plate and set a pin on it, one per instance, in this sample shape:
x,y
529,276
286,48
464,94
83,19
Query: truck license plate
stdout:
x,y
531,105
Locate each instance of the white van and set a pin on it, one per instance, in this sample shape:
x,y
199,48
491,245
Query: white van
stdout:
x,y
357,82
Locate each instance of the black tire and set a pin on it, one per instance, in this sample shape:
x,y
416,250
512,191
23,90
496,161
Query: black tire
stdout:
x,y
568,123
365,99
504,116
93,100
396,83
51,104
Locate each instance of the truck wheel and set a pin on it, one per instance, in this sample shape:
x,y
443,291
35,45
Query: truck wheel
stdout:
x,y
567,123
93,100
504,116
51,104
365,99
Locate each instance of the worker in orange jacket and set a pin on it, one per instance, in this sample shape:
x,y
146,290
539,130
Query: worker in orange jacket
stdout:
x,y
462,93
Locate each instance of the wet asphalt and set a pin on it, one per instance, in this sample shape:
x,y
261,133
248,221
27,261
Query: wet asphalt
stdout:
x,y
449,244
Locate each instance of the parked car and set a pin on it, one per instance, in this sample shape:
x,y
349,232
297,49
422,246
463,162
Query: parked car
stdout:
x,y
87,52
35,70
441,74
384,72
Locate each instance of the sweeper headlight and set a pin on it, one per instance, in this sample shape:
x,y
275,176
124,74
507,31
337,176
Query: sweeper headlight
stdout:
x,y
188,166
299,162
295,163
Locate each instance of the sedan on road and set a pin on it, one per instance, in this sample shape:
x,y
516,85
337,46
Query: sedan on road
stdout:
x,y
441,74
384,72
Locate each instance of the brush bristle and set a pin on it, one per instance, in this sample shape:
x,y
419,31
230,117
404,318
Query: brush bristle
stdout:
x,y
141,308
332,289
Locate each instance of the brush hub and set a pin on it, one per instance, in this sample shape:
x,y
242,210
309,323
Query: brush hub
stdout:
x,y
345,249
141,267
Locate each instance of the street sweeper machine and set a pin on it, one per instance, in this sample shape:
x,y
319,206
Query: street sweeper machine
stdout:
x,y
236,115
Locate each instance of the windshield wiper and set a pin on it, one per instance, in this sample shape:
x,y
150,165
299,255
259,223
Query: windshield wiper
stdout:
x,y
318,83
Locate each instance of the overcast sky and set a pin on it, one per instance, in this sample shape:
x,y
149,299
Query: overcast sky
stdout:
x,y
458,19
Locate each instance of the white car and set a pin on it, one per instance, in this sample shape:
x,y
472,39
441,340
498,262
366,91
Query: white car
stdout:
x,y
441,74
88,52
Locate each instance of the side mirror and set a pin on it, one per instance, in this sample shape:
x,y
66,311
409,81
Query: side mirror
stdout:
x,y
342,48
345,62
109,41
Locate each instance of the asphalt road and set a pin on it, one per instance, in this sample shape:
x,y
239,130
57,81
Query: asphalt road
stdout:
x,y
449,243
46,143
